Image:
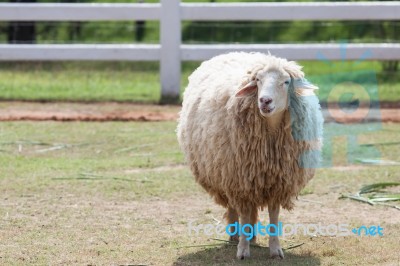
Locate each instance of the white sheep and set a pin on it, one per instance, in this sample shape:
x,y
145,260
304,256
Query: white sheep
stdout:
x,y
251,130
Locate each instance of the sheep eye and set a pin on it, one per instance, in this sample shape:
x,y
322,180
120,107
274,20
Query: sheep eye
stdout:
x,y
287,82
257,79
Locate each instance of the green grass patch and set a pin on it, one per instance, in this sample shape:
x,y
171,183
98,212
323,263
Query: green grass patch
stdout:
x,y
139,81
127,153
80,81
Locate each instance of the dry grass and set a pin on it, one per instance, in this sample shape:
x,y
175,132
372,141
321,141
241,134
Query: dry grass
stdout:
x,y
138,211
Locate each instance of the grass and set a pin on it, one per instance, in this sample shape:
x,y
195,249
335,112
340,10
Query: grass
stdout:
x,y
376,194
118,193
80,82
139,81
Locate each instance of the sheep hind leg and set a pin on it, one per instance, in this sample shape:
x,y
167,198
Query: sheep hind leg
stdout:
x,y
275,249
231,216
254,221
243,248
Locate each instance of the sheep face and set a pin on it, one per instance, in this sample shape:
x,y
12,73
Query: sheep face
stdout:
x,y
272,92
272,87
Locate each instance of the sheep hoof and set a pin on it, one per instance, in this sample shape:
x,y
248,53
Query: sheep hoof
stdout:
x,y
276,253
243,251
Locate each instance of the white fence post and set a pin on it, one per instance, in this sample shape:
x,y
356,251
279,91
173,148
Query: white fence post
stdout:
x,y
170,39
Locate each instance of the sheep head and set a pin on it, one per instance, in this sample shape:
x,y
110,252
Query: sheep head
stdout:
x,y
271,83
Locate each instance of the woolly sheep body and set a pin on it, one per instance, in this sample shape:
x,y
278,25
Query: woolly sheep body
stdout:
x,y
233,153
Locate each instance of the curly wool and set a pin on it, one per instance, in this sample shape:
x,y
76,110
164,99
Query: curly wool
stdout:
x,y
233,153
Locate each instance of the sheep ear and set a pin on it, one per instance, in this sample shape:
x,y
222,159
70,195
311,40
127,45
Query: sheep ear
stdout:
x,y
247,90
303,87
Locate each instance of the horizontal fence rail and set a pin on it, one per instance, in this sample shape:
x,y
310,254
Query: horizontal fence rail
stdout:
x,y
152,52
202,11
299,51
292,11
76,52
170,52
78,12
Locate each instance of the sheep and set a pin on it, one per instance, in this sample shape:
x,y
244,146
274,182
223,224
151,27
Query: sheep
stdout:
x,y
250,128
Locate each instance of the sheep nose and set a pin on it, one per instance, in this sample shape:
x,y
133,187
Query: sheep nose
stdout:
x,y
265,100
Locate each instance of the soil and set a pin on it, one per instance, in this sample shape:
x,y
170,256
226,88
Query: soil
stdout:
x,y
109,111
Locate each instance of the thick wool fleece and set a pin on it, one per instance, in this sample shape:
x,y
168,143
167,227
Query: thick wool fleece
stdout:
x,y
233,153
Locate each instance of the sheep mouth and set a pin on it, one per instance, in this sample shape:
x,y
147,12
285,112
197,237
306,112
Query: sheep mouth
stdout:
x,y
267,110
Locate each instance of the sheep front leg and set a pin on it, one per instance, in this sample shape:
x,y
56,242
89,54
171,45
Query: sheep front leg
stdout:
x,y
275,249
243,248
231,216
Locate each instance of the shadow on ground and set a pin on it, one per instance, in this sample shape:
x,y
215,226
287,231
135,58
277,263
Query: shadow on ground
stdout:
x,y
226,255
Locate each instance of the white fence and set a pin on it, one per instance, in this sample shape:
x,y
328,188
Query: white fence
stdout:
x,y
170,52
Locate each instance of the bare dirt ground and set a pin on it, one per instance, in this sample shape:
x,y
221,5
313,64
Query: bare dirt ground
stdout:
x,y
93,229
111,111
